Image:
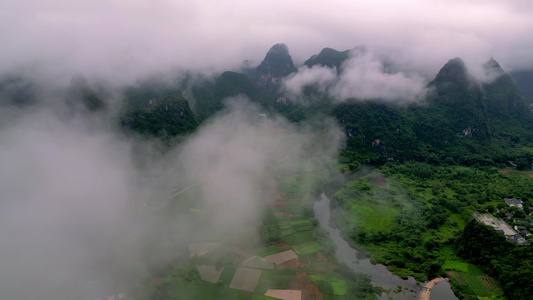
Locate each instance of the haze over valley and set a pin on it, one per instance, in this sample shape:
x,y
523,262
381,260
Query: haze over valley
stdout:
x,y
266,150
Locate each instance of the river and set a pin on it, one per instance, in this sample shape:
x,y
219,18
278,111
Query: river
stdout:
x,y
379,273
442,291
348,255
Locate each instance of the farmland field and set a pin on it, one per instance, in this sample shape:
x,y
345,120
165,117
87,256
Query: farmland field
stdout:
x,y
455,266
267,251
455,275
306,248
490,284
298,238
338,284
474,284
206,292
472,278
276,280
227,275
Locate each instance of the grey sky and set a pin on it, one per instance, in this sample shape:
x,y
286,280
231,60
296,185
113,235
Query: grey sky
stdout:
x,y
123,38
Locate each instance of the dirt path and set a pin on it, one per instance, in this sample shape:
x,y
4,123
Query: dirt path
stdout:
x,y
426,289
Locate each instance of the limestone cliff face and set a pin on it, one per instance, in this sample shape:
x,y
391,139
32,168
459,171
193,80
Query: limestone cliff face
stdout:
x,y
502,97
328,57
276,65
81,96
457,100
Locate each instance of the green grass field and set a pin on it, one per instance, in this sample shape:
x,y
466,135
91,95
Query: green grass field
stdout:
x,y
305,248
460,219
298,238
300,222
377,217
275,280
451,265
287,231
474,284
338,284
372,208
472,279
291,209
266,251
227,275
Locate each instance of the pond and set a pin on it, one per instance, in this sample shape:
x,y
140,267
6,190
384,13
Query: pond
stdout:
x,y
348,255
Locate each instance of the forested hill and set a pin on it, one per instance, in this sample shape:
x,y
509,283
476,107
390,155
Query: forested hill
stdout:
x,y
509,263
460,120
328,57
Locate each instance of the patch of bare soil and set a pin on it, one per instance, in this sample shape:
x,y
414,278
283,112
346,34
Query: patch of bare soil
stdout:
x,y
380,181
309,289
290,265
321,257
158,281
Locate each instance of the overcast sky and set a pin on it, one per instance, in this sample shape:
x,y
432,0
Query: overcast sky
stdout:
x,y
125,38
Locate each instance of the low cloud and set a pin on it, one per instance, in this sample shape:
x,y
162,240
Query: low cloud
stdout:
x,y
362,76
121,40
320,78
87,209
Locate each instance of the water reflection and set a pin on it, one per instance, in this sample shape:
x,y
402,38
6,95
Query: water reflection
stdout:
x,y
442,291
348,255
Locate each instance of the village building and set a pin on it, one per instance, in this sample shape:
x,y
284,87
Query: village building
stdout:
x,y
513,202
520,228
500,226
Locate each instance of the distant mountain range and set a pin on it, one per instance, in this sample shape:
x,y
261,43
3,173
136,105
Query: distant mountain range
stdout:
x,y
461,120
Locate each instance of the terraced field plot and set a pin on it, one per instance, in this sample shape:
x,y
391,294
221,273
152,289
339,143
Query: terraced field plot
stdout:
x,y
474,284
279,280
207,292
472,279
306,248
490,284
267,251
227,275
298,238
338,285
479,285
455,266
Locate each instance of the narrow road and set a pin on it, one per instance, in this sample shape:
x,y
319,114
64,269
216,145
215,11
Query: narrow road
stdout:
x,y
186,188
426,289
